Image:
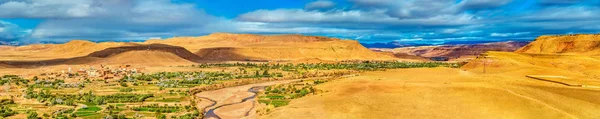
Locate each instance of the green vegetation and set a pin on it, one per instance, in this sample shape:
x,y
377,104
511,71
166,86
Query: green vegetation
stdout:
x,y
192,115
32,115
360,66
87,111
63,114
142,95
13,79
5,111
126,89
6,101
46,96
157,108
276,103
280,95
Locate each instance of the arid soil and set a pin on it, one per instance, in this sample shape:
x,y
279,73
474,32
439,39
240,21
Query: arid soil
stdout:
x,y
553,77
454,52
232,98
581,44
450,93
188,50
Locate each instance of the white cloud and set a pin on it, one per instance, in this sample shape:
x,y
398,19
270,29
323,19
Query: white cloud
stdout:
x,y
508,34
321,4
564,13
351,16
261,27
450,31
408,9
482,4
10,31
51,8
129,20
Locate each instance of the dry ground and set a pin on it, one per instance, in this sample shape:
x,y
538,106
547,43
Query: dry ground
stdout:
x,y
443,93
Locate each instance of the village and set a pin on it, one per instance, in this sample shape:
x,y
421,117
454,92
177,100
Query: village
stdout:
x,y
104,72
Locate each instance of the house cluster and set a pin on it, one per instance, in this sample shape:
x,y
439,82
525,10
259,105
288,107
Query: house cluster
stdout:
x,y
91,72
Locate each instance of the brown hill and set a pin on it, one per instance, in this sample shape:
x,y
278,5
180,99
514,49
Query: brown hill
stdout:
x,y
584,44
153,54
218,46
146,58
2,65
458,51
582,66
403,56
224,46
74,48
566,55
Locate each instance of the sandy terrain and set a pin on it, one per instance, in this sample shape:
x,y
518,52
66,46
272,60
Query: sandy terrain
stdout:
x,y
455,52
540,81
451,93
233,95
581,44
187,50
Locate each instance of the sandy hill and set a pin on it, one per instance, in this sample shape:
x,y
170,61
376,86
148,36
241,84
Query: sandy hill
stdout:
x,y
403,56
584,44
218,46
457,51
225,46
585,67
152,54
566,55
82,47
74,48
2,65
571,55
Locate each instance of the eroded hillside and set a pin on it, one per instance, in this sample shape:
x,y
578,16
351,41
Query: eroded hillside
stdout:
x,y
457,51
583,44
189,50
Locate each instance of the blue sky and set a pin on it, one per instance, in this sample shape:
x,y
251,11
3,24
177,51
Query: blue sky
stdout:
x,y
368,21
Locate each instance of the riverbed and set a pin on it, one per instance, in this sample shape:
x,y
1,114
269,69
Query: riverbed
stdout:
x,y
234,102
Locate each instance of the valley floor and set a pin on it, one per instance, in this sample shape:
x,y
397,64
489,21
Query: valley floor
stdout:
x,y
442,93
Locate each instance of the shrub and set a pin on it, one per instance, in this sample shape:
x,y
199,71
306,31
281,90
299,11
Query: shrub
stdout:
x,y
32,115
5,111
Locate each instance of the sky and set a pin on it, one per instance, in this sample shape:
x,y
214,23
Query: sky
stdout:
x,y
430,22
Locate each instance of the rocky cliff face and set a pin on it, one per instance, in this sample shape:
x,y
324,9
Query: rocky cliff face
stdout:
x,y
583,44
